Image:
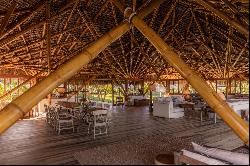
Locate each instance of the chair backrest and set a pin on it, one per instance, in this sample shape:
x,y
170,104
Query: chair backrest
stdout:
x,y
109,114
99,105
78,113
100,116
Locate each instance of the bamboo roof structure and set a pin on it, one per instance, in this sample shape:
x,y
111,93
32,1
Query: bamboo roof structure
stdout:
x,y
37,36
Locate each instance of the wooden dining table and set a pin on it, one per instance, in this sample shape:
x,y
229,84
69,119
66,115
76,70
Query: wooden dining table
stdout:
x,y
90,110
187,105
68,104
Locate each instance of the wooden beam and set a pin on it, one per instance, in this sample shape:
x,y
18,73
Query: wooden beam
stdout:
x,y
228,55
95,33
68,19
235,10
167,15
121,46
16,11
21,105
48,42
101,10
224,17
12,37
41,50
238,57
7,17
134,5
169,31
40,41
214,27
48,36
118,4
142,11
198,25
36,8
239,126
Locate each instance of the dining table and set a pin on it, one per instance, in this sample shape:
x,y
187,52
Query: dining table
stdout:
x,y
88,111
69,105
187,105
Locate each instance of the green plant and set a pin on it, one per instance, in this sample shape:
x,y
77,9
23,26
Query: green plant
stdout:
x,y
1,89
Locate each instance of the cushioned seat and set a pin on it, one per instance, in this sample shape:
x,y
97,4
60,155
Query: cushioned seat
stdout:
x,y
164,107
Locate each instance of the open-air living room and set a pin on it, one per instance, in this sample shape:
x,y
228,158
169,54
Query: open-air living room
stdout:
x,y
124,82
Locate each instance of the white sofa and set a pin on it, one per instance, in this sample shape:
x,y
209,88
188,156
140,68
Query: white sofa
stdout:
x,y
237,106
164,107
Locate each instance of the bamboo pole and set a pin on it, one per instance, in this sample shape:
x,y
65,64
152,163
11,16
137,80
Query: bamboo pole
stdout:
x,y
48,43
113,96
7,17
239,126
21,105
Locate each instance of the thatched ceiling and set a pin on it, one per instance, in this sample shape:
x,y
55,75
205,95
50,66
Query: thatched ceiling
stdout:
x,y
207,43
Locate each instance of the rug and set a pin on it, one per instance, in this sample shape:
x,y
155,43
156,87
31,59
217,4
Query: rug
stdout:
x,y
136,151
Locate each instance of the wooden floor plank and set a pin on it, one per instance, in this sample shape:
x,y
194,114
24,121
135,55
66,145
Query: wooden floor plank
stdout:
x,y
34,142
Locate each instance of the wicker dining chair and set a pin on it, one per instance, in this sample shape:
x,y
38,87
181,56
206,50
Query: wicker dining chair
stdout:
x,y
99,121
63,122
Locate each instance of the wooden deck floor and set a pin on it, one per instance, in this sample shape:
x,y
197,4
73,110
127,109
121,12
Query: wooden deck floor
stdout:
x,y
33,142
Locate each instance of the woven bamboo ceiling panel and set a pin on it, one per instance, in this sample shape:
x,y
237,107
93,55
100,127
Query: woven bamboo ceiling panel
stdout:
x,y
38,35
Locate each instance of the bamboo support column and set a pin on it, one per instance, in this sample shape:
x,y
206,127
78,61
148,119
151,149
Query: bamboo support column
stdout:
x,y
168,86
4,85
113,96
126,93
21,105
239,126
18,82
150,101
142,88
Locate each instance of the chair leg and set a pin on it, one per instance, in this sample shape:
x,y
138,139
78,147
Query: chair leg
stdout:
x,y
59,129
201,116
88,128
106,129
